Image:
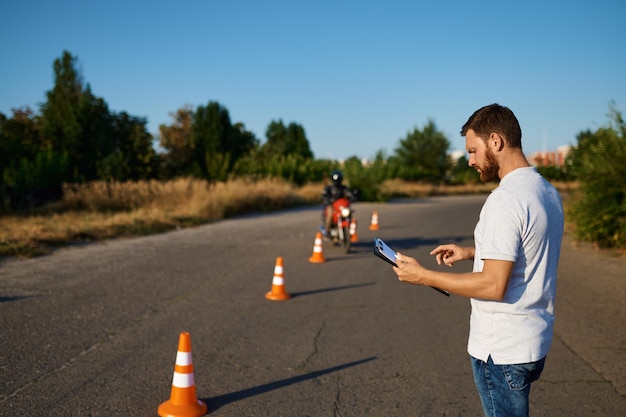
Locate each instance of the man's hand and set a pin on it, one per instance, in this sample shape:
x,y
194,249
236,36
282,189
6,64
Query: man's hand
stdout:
x,y
449,254
408,269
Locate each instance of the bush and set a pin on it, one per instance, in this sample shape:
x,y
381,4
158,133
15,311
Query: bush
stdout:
x,y
599,208
366,180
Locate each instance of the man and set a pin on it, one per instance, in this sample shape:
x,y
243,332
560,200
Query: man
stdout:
x,y
517,243
330,194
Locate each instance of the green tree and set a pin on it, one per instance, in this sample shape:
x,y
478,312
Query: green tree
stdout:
x,y
211,129
599,212
423,154
76,122
556,173
75,138
286,140
241,143
217,144
46,170
131,156
61,112
97,138
31,172
19,136
365,179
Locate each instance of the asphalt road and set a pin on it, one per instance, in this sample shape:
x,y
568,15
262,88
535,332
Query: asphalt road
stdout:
x,y
93,330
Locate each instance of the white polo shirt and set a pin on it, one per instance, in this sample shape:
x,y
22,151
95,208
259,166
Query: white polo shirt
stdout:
x,y
522,222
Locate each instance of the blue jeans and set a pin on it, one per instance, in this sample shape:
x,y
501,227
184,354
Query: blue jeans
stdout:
x,y
504,389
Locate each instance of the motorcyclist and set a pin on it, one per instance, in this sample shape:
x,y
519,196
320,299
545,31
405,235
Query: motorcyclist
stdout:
x,y
331,193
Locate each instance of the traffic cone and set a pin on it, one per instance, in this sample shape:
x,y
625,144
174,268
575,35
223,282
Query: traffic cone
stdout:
x,y
354,237
374,224
183,401
318,255
278,292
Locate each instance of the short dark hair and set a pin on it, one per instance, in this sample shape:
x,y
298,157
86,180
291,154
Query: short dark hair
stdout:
x,y
495,118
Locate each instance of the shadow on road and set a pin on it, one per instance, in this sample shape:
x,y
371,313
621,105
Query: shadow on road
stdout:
x,y
15,298
215,403
343,287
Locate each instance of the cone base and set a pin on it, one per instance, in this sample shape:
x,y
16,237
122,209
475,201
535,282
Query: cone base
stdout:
x,y
167,409
317,259
277,297
373,227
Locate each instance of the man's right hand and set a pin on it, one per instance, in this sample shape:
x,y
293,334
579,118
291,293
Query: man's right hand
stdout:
x,y
449,254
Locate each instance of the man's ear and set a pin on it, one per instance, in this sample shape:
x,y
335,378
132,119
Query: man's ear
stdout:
x,y
496,142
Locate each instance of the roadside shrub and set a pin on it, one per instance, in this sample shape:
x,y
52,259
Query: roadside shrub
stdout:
x,y
366,179
598,210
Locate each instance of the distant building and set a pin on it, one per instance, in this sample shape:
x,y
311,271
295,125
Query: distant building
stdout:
x,y
550,158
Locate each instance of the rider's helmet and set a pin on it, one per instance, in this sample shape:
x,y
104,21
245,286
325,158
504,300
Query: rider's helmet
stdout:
x,y
337,177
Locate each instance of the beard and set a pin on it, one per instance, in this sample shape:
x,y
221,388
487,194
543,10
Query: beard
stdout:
x,y
489,171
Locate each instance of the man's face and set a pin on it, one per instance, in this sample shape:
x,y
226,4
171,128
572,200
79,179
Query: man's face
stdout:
x,y
481,157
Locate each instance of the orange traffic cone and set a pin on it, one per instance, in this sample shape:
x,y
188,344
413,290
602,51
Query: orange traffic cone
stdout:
x,y
318,255
278,292
183,401
354,237
374,224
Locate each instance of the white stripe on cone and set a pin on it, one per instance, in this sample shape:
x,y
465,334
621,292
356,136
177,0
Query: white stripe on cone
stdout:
x,y
183,358
183,380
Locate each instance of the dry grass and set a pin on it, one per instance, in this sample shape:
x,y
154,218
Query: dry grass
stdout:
x,y
100,210
402,189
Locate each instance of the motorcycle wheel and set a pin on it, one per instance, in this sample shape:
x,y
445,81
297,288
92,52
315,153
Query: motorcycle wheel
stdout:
x,y
347,243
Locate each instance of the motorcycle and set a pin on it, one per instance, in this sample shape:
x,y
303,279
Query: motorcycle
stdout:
x,y
340,226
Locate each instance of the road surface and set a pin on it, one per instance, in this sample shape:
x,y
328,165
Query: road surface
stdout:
x,y
93,330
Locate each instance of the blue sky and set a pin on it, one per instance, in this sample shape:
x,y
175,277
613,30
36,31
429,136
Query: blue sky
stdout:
x,y
357,75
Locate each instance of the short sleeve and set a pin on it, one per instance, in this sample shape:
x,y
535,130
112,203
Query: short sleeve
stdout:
x,y
501,228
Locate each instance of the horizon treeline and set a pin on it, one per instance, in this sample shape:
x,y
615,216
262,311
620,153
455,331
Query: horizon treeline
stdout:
x,y
75,138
